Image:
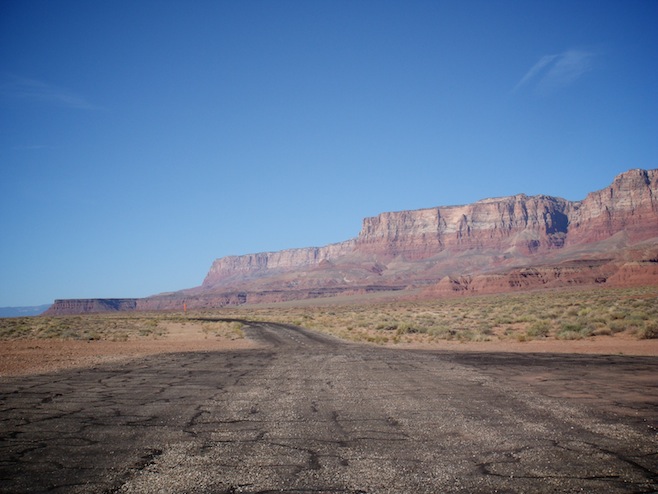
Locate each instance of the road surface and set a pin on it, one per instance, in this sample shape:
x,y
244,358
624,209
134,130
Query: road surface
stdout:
x,y
305,413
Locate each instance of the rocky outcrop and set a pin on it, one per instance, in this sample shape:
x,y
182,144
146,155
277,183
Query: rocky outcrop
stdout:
x,y
630,204
424,246
527,224
241,268
500,244
90,305
574,273
214,299
636,273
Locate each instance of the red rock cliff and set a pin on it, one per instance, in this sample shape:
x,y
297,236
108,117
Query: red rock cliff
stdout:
x,y
497,230
630,204
492,242
498,244
233,269
90,305
529,224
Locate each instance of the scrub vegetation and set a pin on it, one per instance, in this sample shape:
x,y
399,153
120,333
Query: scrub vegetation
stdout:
x,y
231,330
122,326
563,314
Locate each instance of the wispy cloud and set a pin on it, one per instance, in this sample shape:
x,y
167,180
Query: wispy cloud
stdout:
x,y
554,72
35,91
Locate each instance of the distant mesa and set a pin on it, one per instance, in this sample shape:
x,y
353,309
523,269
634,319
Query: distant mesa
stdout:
x,y
494,245
90,305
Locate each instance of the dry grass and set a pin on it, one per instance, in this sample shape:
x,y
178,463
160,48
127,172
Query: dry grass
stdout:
x,y
229,330
559,315
113,327
562,315
124,326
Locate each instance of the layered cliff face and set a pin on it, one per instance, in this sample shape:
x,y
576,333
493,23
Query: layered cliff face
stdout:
x,y
528,224
233,269
630,204
421,247
90,305
439,241
500,244
514,225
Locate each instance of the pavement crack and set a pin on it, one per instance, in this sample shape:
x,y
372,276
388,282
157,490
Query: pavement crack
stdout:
x,y
147,459
310,416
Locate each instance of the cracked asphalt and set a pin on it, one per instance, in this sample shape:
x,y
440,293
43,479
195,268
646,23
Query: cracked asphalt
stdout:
x,y
305,413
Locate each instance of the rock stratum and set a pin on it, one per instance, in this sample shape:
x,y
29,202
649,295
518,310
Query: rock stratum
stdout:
x,y
63,307
494,245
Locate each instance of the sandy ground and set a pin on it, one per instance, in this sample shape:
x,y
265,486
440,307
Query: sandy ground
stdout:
x,y
306,413
619,344
19,357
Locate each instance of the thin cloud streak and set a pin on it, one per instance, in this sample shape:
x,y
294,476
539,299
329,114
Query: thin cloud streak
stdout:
x,y
554,72
32,90
543,62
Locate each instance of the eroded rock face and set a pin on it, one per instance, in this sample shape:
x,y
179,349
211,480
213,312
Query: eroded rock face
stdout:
x,y
636,273
428,244
630,204
592,272
499,244
240,268
528,224
90,305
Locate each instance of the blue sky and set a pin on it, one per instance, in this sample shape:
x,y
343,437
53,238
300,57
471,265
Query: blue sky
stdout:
x,y
141,140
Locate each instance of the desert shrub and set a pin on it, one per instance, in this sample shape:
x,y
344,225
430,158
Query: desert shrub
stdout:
x,y
573,331
638,315
224,329
236,329
379,340
599,320
584,312
617,314
605,331
618,325
440,332
539,329
470,335
648,331
503,320
402,328
387,326
569,335
149,327
572,312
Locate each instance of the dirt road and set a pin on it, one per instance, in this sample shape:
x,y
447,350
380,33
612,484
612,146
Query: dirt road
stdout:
x,y
307,413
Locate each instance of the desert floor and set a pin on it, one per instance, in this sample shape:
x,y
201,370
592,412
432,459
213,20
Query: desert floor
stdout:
x,y
301,411
29,356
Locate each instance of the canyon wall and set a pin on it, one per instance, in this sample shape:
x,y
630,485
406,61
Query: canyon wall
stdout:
x,y
499,244
629,204
507,230
529,224
240,268
90,305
